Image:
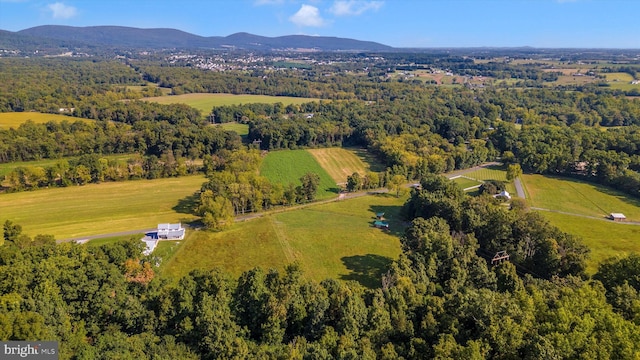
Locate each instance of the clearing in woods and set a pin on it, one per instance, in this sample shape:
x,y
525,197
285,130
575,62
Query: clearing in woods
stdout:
x,y
341,162
205,101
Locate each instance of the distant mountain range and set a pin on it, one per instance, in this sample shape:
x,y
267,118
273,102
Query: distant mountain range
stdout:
x,y
128,37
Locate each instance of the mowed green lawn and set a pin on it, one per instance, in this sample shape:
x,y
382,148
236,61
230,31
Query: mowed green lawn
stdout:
x,y
205,101
604,239
240,129
15,119
101,208
288,166
334,240
492,173
465,183
579,197
341,162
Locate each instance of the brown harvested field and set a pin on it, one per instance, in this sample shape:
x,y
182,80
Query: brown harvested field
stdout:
x,y
340,163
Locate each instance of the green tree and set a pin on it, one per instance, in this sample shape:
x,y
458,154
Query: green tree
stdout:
x,y
216,211
354,182
11,231
310,182
513,171
396,184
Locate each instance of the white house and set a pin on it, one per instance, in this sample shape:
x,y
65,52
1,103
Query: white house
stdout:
x,y
504,193
170,231
164,232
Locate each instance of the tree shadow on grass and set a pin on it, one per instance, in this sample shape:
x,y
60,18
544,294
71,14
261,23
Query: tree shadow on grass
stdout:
x,y
186,205
366,269
335,190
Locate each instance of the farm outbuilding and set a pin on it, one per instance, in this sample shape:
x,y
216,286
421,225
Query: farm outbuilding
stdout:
x,y
617,217
381,224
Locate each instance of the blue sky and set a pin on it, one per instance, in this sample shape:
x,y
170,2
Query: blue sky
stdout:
x,y
400,23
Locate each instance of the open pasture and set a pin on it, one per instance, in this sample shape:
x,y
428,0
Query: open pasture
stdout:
x,y
605,239
343,162
205,102
101,208
288,166
579,197
618,76
15,119
335,240
580,201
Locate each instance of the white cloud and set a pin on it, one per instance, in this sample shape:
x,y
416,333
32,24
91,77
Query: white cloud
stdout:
x,y
307,16
62,11
354,7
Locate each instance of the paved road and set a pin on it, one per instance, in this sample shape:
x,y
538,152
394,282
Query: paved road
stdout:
x,y
100,236
519,189
246,217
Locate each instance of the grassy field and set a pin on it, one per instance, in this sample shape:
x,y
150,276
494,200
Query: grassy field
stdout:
x,y
618,76
14,119
578,197
466,183
605,239
240,129
341,162
205,102
492,173
101,208
329,240
288,166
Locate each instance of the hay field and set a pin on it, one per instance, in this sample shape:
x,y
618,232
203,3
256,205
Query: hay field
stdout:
x,y
101,208
15,119
341,162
